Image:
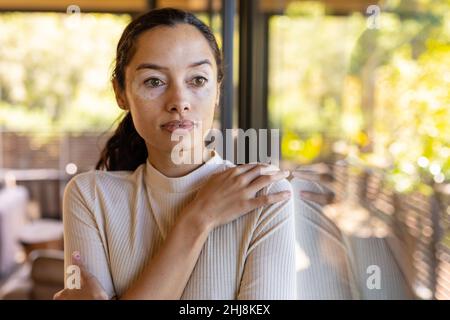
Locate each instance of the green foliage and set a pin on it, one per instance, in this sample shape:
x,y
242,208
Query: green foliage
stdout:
x,y
382,95
54,71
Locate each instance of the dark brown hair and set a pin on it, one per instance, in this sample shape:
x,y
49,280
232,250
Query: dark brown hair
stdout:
x,y
126,149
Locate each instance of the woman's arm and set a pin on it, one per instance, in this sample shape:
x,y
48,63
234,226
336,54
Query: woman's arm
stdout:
x,y
226,196
269,272
82,235
168,272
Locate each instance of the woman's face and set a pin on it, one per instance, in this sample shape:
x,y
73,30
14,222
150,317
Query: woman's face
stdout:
x,y
171,87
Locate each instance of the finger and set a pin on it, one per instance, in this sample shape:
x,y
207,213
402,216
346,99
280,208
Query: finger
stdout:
x,y
76,258
319,198
306,175
58,295
256,172
265,180
234,171
64,294
313,176
269,199
78,261
246,167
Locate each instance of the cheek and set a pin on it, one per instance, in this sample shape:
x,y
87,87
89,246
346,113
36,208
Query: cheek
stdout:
x,y
142,122
206,94
144,104
145,116
205,99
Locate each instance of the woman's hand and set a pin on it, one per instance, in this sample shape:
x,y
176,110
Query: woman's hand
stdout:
x,y
230,194
90,287
321,175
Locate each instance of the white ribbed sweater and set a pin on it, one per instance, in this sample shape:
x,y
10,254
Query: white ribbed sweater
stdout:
x,y
118,220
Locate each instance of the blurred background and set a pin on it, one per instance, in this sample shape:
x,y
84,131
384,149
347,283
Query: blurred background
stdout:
x,y
359,90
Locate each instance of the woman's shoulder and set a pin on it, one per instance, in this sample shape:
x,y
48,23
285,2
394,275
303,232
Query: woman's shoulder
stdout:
x,y
97,180
280,186
275,187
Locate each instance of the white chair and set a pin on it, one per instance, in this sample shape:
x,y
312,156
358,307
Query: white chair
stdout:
x,y
13,208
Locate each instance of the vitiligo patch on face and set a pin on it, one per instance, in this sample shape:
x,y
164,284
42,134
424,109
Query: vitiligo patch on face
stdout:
x,y
139,89
142,92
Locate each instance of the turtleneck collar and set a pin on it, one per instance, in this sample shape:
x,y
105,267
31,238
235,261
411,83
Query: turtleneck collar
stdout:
x,y
189,182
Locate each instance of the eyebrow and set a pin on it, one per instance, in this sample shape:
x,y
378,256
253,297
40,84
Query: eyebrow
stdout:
x,y
157,67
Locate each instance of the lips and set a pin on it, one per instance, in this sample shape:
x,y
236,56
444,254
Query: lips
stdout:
x,y
171,126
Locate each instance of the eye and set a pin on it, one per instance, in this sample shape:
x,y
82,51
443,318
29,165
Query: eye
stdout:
x,y
153,82
199,81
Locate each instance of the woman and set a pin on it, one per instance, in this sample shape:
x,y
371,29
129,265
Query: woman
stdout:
x,y
151,228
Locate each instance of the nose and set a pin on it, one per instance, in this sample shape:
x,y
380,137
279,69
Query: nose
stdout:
x,y
177,100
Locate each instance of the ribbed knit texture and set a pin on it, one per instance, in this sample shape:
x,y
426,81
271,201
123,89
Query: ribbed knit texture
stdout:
x,y
118,220
332,265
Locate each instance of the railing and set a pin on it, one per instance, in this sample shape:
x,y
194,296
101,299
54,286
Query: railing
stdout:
x,y
40,163
421,222
45,188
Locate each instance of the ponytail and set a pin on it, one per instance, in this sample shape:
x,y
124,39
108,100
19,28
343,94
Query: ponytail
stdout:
x,y
125,150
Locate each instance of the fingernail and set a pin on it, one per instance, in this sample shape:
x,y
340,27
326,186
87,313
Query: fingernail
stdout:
x,y
76,255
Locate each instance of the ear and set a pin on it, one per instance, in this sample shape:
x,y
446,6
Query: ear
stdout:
x,y
120,95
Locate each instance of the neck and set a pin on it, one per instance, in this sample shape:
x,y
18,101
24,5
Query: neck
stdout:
x,y
163,162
